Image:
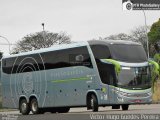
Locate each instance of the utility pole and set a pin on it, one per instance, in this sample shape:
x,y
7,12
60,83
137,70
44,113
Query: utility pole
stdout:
x,y
43,32
43,26
145,20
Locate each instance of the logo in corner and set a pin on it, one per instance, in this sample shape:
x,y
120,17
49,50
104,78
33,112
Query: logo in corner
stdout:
x,y
127,5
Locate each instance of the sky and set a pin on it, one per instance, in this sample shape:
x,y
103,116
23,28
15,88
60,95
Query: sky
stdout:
x,y
81,19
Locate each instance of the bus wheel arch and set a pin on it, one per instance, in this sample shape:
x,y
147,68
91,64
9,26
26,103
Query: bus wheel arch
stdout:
x,y
24,106
92,101
32,97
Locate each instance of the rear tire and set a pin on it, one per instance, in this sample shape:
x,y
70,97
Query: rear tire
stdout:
x,y
34,106
94,103
24,107
125,107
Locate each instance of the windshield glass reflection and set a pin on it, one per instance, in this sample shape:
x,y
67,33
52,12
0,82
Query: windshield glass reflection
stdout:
x,y
134,78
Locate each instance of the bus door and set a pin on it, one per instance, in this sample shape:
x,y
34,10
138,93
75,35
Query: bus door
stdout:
x,y
108,78
111,82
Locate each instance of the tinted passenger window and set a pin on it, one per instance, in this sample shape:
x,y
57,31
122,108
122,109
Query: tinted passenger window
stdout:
x,y
100,51
67,58
22,64
78,56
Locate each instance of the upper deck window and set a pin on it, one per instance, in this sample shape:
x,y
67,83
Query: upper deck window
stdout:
x,y
78,56
128,53
100,51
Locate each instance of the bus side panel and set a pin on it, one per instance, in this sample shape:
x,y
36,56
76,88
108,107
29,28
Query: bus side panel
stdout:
x,y
7,97
24,84
70,85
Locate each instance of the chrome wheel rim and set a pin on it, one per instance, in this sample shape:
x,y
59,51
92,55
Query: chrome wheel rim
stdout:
x,y
24,106
34,106
92,102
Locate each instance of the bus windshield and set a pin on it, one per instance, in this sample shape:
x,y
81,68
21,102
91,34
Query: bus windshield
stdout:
x,y
128,53
134,78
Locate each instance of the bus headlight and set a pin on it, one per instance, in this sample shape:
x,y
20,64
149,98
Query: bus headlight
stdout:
x,y
149,94
122,93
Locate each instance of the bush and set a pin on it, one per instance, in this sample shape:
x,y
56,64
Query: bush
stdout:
x,y
156,94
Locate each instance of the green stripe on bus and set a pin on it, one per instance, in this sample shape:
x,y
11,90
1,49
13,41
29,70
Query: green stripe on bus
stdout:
x,y
72,79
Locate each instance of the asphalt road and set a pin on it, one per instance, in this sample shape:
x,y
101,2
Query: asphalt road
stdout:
x,y
134,112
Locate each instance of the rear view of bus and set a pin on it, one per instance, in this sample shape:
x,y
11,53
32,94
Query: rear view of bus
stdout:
x,y
124,72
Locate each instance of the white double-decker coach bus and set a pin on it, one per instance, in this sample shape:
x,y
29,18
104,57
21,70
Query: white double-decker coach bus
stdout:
x,y
85,74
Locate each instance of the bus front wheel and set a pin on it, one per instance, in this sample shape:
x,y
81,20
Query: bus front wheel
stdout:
x,y
125,107
24,107
94,103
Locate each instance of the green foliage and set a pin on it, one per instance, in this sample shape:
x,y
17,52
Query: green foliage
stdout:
x,y
154,34
157,58
0,101
155,72
156,66
154,38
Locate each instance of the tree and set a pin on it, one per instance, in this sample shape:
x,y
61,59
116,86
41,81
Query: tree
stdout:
x,y
157,55
40,40
120,36
139,34
1,55
157,47
154,34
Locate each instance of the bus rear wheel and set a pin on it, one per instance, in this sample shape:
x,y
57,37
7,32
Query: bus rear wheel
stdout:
x,y
125,107
94,103
24,107
34,106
